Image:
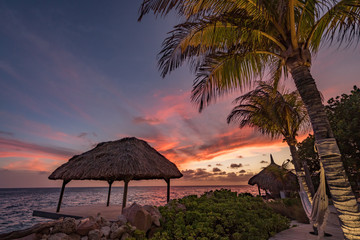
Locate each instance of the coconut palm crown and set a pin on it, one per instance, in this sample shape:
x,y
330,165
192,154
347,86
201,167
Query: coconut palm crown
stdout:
x,y
231,43
272,113
277,115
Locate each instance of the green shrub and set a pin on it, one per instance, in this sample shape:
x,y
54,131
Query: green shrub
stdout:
x,y
220,215
291,208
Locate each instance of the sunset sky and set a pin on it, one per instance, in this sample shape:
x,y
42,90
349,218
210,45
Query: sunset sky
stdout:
x,y
76,73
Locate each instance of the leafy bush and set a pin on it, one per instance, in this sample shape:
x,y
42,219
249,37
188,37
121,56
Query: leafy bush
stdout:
x,y
219,215
291,208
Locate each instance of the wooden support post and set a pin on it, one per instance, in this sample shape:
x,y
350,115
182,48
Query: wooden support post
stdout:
x,y
108,199
125,193
259,190
61,194
168,190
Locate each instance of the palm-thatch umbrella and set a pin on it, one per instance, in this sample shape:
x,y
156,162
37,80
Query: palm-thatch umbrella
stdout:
x,y
275,179
125,159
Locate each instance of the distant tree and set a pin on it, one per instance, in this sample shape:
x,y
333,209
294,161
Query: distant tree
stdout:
x,y
306,152
344,115
274,114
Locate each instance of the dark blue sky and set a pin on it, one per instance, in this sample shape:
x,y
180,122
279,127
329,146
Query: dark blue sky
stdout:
x,y
75,73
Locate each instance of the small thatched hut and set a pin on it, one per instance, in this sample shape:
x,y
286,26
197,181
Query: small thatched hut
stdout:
x,y
122,160
275,178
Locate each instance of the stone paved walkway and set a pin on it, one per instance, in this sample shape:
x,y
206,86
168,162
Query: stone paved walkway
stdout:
x,y
301,231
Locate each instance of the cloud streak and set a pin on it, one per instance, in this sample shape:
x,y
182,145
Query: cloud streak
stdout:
x,y
202,176
20,146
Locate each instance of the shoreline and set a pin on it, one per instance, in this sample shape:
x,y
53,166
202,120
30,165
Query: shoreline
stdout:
x,y
146,186
17,205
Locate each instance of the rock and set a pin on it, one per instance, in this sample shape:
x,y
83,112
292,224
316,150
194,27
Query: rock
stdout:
x,y
94,234
155,220
86,225
84,238
74,236
118,232
175,205
125,236
142,220
155,214
46,231
105,231
59,236
67,226
128,210
152,210
44,237
138,217
121,220
33,236
113,227
101,221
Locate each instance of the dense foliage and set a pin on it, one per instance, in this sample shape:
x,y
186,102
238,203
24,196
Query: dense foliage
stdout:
x,y
291,208
220,215
344,115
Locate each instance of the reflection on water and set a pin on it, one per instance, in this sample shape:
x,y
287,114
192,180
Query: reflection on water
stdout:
x,y
17,205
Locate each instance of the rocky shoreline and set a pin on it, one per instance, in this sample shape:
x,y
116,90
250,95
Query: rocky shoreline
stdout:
x,y
135,221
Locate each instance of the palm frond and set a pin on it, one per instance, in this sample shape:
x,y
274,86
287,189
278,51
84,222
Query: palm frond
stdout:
x,y
341,22
223,73
270,112
158,7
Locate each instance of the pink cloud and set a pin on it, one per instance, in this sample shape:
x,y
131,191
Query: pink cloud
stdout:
x,y
12,146
35,164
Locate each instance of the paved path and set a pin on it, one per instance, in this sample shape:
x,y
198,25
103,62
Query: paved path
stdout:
x,y
301,231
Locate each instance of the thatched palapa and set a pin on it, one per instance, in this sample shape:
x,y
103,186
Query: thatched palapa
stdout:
x,y
125,159
275,179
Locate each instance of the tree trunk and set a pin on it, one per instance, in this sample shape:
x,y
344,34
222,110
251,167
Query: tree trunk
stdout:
x,y
303,176
342,195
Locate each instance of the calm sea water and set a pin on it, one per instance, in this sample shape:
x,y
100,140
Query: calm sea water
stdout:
x,y
17,205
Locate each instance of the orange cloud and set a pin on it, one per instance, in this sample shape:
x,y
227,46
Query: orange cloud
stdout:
x,y
201,176
31,164
32,156
215,146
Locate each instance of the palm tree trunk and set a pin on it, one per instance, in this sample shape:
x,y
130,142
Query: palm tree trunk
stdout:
x,y
342,195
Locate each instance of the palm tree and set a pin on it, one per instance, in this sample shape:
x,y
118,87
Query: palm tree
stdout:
x,y
275,114
231,43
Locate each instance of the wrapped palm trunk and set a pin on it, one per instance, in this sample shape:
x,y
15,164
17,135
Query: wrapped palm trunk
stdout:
x,y
340,189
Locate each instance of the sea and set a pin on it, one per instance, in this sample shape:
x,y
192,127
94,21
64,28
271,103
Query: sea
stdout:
x,y
18,204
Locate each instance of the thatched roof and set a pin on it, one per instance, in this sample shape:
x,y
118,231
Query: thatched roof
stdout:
x,y
124,159
274,178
